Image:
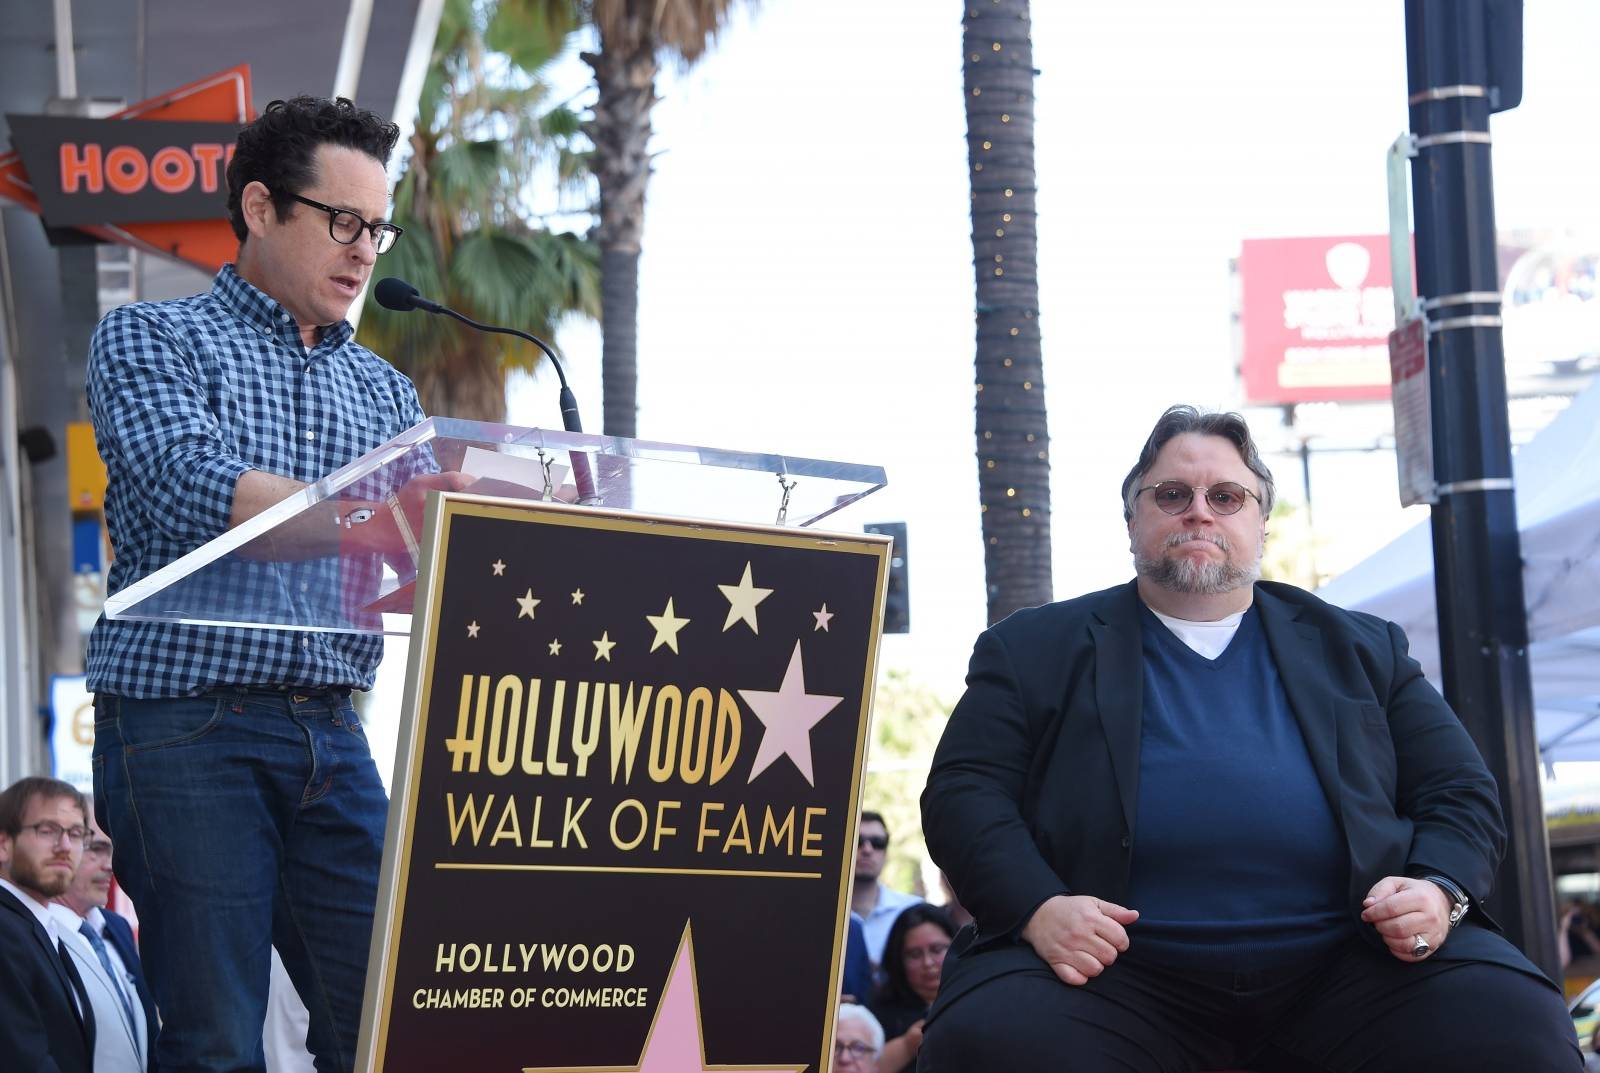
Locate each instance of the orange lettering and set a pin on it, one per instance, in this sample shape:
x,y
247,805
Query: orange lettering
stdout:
x,y
126,170
79,168
172,170
207,153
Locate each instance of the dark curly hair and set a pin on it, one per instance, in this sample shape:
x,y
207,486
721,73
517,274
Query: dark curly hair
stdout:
x,y
896,985
278,148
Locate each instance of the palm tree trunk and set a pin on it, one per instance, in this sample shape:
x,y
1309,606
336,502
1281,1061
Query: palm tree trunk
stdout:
x,y
625,72
1012,438
469,384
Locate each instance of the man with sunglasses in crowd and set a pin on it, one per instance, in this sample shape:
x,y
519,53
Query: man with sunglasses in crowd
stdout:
x,y
230,767
46,1020
1207,822
876,904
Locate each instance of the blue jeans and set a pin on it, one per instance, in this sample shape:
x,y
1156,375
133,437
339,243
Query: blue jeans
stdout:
x,y
244,820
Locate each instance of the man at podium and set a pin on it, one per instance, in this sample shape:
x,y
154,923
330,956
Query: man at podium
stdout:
x,y
1209,822
230,766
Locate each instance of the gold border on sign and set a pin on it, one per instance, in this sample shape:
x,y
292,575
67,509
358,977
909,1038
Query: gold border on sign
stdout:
x,y
395,872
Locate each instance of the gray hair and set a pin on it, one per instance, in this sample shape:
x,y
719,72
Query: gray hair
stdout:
x,y
1180,420
849,1011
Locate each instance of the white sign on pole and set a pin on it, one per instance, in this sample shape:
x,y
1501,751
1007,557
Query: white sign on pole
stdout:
x,y
1413,411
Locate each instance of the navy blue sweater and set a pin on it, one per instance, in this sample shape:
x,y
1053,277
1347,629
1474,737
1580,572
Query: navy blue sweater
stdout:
x,y
1238,862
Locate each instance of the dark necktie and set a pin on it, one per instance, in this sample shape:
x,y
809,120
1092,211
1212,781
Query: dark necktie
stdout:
x,y
99,944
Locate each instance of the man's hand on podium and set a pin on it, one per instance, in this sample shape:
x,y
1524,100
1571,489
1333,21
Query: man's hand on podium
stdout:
x,y
1078,936
392,528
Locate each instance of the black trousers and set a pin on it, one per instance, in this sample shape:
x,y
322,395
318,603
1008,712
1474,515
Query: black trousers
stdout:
x,y
1358,1011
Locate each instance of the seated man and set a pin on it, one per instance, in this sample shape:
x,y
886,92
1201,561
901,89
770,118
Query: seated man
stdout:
x,y
1208,822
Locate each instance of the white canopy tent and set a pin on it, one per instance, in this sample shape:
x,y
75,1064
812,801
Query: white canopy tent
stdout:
x,y
1558,510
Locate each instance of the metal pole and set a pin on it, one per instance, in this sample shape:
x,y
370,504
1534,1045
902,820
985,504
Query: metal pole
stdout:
x,y
1483,631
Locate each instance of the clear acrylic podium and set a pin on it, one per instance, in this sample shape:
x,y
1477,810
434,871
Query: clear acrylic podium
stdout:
x,y
301,565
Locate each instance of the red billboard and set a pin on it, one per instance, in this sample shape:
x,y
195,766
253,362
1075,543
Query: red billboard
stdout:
x,y
1316,314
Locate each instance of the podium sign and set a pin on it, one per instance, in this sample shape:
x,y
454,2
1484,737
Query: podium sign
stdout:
x,y
624,808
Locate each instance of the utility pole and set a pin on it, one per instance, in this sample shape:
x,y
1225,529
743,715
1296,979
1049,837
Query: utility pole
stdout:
x,y
1464,61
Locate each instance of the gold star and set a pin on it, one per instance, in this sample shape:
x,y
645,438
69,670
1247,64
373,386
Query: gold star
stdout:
x,y
823,617
577,596
742,601
499,567
667,626
472,629
555,648
527,603
603,647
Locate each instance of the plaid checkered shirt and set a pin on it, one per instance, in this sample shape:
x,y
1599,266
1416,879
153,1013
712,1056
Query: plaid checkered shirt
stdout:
x,y
186,396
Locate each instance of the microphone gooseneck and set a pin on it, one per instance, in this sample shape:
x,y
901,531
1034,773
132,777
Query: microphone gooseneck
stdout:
x,y
394,293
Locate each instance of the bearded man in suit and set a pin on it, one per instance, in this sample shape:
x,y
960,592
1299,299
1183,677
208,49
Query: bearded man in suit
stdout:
x,y
46,1020
1205,821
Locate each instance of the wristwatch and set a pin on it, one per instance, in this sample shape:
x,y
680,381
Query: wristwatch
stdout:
x,y
1459,902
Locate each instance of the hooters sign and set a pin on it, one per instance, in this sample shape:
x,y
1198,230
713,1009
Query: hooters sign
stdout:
x,y
152,176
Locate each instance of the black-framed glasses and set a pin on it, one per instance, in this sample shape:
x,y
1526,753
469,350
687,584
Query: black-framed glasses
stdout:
x,y
877,842
97,847
51,832
345,227
1174,497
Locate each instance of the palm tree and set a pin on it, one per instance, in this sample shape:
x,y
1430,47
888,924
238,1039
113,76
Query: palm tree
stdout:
x,y
485,129
634,35
1013,442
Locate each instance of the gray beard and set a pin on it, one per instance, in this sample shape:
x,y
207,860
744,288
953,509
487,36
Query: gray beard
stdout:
x,y
1194,578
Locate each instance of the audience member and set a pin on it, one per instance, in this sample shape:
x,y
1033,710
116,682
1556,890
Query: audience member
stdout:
x,y
103,951
912,959
876,904
46,1020
857,1040
857,965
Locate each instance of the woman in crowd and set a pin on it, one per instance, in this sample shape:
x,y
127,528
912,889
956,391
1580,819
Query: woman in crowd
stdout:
x,y
912,959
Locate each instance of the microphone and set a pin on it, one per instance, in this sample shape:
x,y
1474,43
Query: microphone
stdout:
x,y
395,293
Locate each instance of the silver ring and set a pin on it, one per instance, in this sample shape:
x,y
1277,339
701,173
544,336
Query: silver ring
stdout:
x,y
1420,948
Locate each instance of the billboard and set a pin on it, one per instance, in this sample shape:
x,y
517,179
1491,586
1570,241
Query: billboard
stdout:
x,y
1315,315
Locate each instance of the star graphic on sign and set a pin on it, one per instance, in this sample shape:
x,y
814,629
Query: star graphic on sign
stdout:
x,y
577,596
667,626
788,716
555,647
742,601
603,647
526,603
499,567
676,1043
823,617
472,629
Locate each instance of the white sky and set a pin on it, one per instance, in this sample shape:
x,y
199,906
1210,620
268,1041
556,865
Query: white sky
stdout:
x,y
806,284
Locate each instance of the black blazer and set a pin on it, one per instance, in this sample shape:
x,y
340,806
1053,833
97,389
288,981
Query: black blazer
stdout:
x,y
119,933
1033,788
40,1028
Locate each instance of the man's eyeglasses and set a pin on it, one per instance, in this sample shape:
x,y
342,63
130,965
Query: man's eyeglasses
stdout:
x,y
877,842
51,832
855,1050
1174,497
99,847
345,226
